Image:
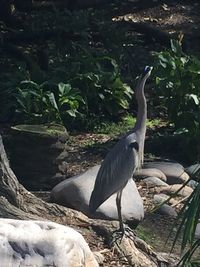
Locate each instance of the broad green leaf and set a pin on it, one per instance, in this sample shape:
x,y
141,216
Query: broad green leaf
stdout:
x,y
52,100
72,113
64,88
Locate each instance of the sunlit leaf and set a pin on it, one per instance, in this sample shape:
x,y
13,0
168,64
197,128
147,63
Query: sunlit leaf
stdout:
x,y
64,88
52,100
72,113
176,47
194,98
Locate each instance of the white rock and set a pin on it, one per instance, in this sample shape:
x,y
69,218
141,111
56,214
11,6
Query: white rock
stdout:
x,y
42,243
76,191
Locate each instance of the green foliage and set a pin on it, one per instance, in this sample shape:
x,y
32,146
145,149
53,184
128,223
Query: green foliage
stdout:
x,y
40,103
88,53
188,219
92,88
8,85
115,129
178,83
99,81
145,234
187,260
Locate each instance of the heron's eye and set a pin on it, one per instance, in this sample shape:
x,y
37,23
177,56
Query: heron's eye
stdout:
x,y
134,145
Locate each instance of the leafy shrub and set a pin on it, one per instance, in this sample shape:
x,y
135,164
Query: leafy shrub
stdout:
x,y
178,81
45,102
178,86
8,91
99,81
92,88
186,224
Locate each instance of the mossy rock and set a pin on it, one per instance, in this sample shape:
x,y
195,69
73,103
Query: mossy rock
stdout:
x,y
37,153
51,130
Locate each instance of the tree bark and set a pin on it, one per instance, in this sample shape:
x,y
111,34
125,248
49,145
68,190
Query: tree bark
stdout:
x,y
9,187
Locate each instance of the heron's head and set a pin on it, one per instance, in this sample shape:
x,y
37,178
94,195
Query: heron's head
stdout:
x,y
142,79
147,72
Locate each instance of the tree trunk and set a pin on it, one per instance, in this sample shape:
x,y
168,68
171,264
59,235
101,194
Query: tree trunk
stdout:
x,y
9,186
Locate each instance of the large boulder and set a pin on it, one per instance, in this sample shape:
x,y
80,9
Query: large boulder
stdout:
x,y
174,171
42,243
76,191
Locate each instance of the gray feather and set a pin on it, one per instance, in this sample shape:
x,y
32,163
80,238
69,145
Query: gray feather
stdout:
x,y
115,171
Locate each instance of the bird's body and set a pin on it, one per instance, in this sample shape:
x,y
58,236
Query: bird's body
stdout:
x,y
110,178
123,159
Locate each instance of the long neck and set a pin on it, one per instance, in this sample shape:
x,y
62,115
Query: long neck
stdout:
x,y
142,108
140,126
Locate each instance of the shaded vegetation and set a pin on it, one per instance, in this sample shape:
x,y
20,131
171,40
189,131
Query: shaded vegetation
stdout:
x,y
188,219
178,83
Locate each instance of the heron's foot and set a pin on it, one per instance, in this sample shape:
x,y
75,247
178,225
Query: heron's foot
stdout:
x,y
122,232
130,233
116,237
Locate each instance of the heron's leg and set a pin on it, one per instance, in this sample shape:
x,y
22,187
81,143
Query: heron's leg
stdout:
x,y
117,235
118,202
123,230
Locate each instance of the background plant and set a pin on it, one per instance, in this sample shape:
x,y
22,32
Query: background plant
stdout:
x,y
178,86
98,79
92,88
187,222
8,91
43,103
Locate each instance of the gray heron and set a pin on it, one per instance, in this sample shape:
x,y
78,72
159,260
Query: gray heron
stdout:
x,y
124,158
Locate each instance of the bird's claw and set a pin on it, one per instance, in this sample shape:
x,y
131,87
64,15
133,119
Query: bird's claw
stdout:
x,y
119,234
130,233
